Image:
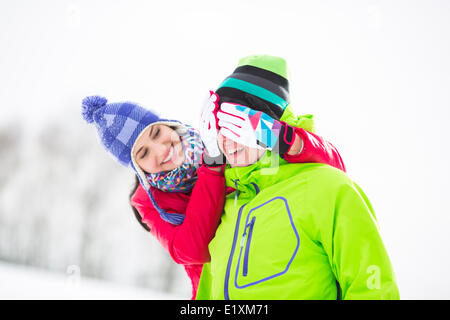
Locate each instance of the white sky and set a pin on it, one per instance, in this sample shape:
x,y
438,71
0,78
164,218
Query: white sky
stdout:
x,y
375,74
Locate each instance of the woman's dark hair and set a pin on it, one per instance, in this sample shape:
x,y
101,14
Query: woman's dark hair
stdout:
x,y
136,213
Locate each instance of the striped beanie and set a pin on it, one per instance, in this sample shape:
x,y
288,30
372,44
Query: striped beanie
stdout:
x,y
119,125
263,76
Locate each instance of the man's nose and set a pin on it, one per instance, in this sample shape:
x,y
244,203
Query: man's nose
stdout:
x,y
227,144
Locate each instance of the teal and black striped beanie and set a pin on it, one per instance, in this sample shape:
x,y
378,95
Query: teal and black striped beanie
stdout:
x,y
261,76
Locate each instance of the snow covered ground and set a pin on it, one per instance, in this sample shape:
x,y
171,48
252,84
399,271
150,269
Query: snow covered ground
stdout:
x,y
19,282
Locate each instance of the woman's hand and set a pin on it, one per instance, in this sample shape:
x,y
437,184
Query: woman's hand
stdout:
x,y
208,128
208,124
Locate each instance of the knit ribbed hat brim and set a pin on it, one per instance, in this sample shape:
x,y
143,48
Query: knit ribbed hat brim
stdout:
x,y
262,76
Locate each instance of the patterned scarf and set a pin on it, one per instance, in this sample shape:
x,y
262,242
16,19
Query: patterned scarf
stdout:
x,y
183,178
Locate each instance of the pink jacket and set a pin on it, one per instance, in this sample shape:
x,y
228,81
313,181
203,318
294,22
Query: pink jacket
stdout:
x,y
188,243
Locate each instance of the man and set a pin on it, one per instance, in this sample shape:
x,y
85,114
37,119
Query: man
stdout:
x,y
289,231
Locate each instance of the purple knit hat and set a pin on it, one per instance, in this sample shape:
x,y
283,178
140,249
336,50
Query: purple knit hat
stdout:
x,y
119,125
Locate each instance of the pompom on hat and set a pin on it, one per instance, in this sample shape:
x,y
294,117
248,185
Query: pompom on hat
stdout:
x,y
119,125
262,76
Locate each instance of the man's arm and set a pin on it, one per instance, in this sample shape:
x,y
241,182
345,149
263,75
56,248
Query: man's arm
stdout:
x,y
357,255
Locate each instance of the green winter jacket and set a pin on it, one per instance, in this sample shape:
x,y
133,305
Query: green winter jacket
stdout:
x,y
296,231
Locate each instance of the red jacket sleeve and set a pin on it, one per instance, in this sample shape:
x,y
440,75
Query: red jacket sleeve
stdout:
x,y
188,242
316,149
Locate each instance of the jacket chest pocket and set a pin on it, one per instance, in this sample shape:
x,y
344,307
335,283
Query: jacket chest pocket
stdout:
x,y
269,242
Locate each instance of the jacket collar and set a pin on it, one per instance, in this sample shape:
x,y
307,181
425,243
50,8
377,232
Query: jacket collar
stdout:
x,y
249,180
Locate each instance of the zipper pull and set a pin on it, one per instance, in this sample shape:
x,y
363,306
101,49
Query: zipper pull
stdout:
x,y
236,192
243,239
248,225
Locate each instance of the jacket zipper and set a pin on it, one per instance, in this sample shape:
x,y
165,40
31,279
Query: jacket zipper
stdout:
x,y
236,230
247,247
230,259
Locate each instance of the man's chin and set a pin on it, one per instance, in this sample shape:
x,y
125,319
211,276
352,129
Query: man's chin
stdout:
x,y
234,165
244,158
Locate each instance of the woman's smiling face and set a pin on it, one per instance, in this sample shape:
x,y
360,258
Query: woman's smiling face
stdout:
x,y
158,149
